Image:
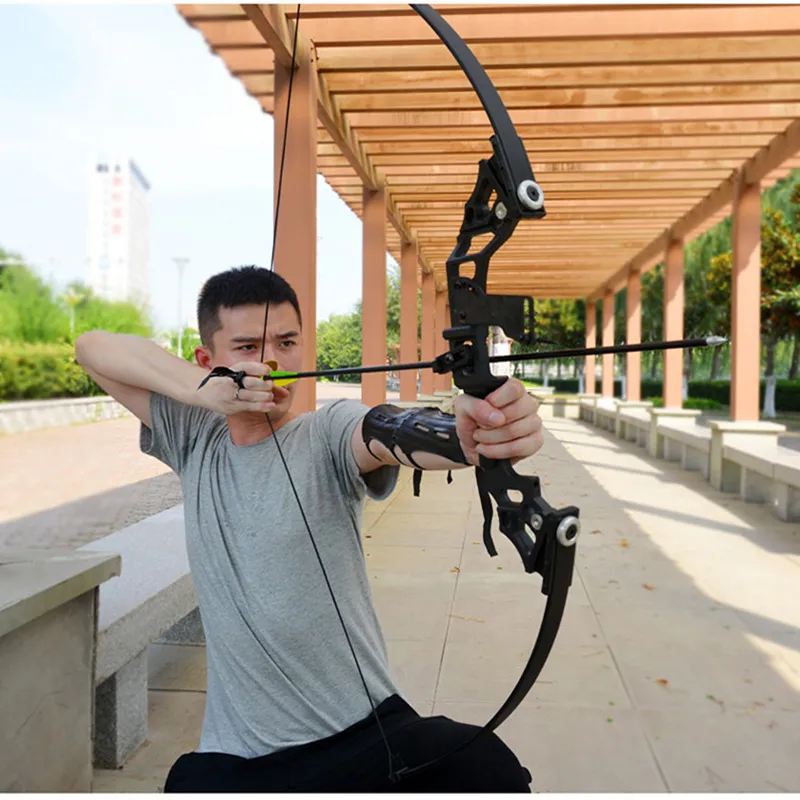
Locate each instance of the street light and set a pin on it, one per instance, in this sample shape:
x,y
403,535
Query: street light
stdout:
x,y
180,263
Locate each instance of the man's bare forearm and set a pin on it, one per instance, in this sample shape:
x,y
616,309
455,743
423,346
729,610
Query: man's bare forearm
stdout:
x,y
139,362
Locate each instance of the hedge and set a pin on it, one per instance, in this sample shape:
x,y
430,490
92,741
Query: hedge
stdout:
x,y
787,393
49,371
42,372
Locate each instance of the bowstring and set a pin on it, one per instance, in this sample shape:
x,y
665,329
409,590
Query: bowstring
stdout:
x,y
278,447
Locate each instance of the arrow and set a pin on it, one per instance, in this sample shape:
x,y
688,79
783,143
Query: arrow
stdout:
x,y
282,378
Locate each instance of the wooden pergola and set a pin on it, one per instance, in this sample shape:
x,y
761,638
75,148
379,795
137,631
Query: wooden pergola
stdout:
x,y
645,126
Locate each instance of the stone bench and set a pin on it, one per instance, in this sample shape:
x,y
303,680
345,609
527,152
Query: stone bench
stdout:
x,y
586,404
563,406
763,472
605,414
687,442
633,425
153,599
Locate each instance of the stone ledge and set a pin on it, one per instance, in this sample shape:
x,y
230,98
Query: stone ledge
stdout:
x,y
29,415
33,582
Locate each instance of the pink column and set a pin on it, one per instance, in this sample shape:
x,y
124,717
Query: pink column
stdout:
x,y
296,235
746,304
608,340
408,318
373,306
591,341
673,323
633,335
428,333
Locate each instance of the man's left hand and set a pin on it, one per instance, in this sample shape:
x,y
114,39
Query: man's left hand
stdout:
x,y
504,425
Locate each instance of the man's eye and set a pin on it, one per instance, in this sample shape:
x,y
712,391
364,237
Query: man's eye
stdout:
x,y
288,343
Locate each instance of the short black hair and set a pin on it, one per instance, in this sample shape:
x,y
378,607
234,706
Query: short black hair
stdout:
x,y
240,286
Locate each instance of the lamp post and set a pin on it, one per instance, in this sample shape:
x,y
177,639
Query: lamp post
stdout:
x,y
180,263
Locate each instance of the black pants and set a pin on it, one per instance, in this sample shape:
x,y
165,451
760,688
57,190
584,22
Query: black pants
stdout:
x,y
356,760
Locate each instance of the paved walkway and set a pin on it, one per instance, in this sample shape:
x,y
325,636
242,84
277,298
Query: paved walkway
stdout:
x,y
677,667
67,486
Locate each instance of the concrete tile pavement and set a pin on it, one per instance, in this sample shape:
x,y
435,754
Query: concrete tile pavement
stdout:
x,y
677,667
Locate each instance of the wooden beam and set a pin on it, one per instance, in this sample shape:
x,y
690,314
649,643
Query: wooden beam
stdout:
x,y
273,27
573,97
532,23
781,148
580,116
661,50
572,76
480,130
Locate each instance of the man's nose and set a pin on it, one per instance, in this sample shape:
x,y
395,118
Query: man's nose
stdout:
x,y
270,352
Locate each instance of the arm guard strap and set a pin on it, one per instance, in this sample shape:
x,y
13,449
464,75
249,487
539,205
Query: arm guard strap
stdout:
x,y
413,430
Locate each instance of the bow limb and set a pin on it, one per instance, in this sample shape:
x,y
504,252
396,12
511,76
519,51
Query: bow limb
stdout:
x,y
505,193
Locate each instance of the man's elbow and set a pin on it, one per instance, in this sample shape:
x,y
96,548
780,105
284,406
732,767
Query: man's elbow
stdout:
x,y
85,344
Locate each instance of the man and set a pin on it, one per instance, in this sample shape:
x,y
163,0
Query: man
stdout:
x,y
291,685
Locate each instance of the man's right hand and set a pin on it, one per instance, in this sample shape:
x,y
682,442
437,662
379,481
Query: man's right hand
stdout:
x,y
223,395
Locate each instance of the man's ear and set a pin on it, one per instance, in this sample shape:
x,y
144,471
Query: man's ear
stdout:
x,y
203,357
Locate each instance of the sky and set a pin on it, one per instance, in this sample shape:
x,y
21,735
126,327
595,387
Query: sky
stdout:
x,y
79,81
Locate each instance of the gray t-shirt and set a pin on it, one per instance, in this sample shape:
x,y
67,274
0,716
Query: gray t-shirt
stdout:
x,y
280,672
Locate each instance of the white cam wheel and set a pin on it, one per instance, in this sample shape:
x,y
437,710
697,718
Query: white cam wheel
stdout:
x,y
531,196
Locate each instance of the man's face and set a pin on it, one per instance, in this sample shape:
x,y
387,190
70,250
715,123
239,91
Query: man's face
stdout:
x,y
240,339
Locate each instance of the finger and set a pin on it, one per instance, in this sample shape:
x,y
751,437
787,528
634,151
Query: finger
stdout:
x,y
247,396
252,368
519,448
259,408
526,406
519,429
509,392
484,413
257,384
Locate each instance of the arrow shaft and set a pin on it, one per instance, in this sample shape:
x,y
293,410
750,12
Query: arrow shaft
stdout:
x,y
542,355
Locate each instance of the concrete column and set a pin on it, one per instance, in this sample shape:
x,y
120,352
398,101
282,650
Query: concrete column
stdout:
x,y
591,341
746,304
373,304
608,340
673,323
428,333
440,382
409,255
296,235
633,335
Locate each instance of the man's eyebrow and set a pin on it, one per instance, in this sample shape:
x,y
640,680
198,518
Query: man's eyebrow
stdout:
x,y
257,339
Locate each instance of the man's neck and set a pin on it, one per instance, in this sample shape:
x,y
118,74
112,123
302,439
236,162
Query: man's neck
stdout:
x,y
247,429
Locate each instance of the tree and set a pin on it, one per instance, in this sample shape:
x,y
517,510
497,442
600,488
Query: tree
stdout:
x,y
339,343
29,311
780,285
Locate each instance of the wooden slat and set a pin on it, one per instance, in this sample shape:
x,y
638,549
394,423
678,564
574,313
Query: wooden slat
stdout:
x,y
637,119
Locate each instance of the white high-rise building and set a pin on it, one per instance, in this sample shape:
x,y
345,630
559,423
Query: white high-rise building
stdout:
x,y
119,231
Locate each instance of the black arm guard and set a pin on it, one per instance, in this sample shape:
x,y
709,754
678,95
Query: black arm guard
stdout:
x,y
412,430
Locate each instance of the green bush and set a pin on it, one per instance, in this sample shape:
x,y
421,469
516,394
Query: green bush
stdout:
x,y
42,372
787,393
699,403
